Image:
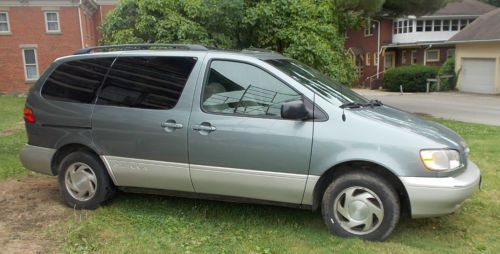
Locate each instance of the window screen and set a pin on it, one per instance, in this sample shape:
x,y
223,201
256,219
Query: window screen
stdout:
x,y
76,81
146,82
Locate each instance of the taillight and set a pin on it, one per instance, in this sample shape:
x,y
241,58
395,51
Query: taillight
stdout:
x,y
28,115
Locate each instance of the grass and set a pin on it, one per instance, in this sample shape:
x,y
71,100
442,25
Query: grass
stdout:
x,y
149,224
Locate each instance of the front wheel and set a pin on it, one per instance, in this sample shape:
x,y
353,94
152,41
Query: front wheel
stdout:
x,y
361,204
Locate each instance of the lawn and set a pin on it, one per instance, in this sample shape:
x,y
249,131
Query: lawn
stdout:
x,y
144,223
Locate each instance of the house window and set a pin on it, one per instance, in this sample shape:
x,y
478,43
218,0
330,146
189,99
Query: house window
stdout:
x,y
368,59
463,23
388,60
454,25
400,27
4,22
52,22
446,25
450,53
433,55
30,64
368,28
420,25
395,27
403,56
375,59
437,25
428,25
413,57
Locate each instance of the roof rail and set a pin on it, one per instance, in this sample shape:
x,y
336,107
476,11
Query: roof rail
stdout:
x,y
143,46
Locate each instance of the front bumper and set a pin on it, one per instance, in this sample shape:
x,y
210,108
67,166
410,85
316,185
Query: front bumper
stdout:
x,y
435,196
37,158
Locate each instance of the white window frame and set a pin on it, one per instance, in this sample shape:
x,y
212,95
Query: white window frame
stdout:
x,y
24,64
430,60
375,59
393,60
368,29
403,57
413,57
368,59
47,22
448,55
8,22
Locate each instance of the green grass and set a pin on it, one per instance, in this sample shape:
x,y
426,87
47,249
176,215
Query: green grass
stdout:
x,y
11,139
148,224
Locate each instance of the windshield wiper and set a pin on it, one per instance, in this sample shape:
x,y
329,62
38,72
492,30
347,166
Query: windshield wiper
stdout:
x,y
351,105
373,103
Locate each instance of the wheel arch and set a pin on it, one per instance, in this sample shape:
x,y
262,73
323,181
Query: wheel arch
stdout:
x,y
64,150
349,166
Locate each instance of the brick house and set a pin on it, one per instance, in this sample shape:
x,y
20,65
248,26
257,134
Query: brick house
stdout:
x,y
35,32
389,42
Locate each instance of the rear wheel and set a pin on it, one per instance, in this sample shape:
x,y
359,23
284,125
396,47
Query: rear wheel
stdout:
x,y
83,181
361,204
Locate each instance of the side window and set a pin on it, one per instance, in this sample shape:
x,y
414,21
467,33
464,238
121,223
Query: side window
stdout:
x,y
76,81
239,88
146,82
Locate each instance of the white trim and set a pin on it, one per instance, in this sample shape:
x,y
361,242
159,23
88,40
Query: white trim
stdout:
x,y
471,41
24,64
47,22
81,27
432,60
8,22
413,53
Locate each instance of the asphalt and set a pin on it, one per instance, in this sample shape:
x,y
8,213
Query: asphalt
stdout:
x,y
466,107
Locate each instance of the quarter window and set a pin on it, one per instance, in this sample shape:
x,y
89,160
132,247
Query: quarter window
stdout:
x,y
239,88
30,64
76,81
146,82
52,22
4,22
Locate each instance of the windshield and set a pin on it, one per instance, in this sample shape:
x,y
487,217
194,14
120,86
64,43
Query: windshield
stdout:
x,y
319,83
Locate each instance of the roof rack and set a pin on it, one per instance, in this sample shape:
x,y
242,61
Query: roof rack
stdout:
x,y
143,46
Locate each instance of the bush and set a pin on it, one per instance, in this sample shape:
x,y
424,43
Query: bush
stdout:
x,y
413,78
448,68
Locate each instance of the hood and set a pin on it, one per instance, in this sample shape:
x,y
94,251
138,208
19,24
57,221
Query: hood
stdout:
x,y
413,123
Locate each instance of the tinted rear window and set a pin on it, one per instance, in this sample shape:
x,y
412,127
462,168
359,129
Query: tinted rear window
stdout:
x,y
76,81
146,82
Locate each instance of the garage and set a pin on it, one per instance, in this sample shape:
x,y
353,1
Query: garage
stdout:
x,y
478,75
477,55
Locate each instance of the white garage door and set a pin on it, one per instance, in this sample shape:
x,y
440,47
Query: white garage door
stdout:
x,y
478,75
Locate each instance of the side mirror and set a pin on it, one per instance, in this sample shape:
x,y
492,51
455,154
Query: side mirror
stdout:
x,y
295,110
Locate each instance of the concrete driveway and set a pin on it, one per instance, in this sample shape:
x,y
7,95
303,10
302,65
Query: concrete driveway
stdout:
x,y
464,107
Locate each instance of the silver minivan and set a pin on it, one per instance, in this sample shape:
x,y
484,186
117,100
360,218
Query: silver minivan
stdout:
x,y
244,126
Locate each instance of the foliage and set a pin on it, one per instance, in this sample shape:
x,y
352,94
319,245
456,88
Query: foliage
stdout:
x,y
12,136
448,68
304,30
492,2
413,78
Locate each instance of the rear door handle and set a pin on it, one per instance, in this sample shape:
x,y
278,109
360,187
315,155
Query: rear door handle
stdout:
x,y
171,125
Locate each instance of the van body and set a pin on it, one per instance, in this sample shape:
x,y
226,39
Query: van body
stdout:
x,y
249,126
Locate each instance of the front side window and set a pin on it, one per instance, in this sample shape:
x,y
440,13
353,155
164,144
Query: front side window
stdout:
x,y
4,22
52,22
240,88
30,64
146,82
76,81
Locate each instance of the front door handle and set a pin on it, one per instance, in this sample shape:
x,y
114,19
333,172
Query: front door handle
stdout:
x,y
204,127
171,125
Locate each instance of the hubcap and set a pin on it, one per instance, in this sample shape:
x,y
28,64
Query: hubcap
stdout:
x,y
358,210
80,181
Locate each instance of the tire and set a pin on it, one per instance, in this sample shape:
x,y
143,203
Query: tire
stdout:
x,y
355,199
84,182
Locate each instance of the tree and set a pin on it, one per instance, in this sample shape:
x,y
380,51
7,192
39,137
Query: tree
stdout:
x,y
305,30
492,2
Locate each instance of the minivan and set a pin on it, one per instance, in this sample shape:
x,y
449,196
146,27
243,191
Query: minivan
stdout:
x,y
243,126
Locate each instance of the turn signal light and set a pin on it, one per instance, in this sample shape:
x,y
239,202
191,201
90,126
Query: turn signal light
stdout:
x,y
28,115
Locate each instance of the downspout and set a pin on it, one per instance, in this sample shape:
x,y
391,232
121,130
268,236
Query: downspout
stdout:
x,y
80,21
425,53
378,48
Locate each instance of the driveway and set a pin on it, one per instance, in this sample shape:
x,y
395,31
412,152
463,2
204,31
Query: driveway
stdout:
x,y
472,108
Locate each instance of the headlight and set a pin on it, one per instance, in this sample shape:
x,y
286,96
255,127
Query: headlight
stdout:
x,y
440,159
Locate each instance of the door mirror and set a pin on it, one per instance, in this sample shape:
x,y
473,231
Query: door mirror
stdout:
x,y
295,110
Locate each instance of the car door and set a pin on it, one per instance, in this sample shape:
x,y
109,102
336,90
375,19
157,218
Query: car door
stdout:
x,y
140,120
238,143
